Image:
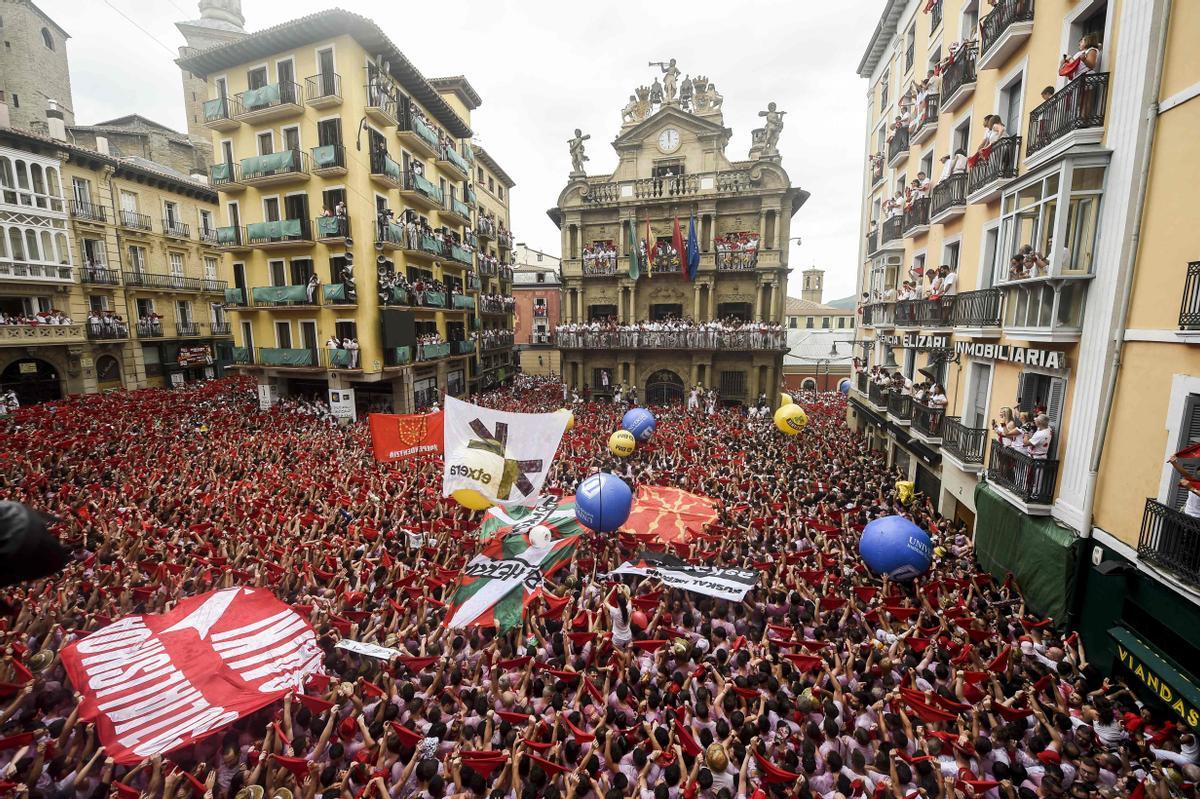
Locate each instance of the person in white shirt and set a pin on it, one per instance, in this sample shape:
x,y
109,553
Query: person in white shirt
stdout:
x,y
1188,482
949,280
1037,443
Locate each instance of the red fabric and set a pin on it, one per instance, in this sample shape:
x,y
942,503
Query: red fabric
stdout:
x,y
484,762
513,718
416,664
804,662
928,713
16,741
686,741
551,769
580,735
315,704
399,437
408,738
650,645
513,663
772,774
297,765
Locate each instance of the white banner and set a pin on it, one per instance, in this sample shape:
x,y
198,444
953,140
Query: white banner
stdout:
x,y
504,456
370,650
341,404
714,581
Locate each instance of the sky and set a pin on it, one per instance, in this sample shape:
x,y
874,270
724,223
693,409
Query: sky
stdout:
x,y
545,67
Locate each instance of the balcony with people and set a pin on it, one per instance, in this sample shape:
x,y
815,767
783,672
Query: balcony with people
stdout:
x,y
671,333
302,295
386,171
928,418
1019,464
496,304
958,76
877,168
916,210
1003,31
1074,115
897,141
93,273
419,134
106,326
737,251
171,282
272,101
323,90
383,99
994,163
418,191
1170,542
496,339
925,109
332,227
900,408
44,327
948,199
285,166
451,160
280,233
599,259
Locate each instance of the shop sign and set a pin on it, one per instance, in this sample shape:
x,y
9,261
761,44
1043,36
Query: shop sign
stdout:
x,y
341,403
85,361
1157,677
177,379
916,342
268,395
1030,356
194,356
27,368
209,374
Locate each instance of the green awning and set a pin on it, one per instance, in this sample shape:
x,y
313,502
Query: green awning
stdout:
x,y
233,297
274,294
280,356
428,189
1154,675
253,99
424,131
335,291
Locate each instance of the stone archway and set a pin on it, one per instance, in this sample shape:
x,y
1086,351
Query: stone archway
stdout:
x,y
664,387
33,380
809,384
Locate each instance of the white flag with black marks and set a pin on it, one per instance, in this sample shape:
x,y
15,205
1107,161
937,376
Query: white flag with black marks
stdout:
x,y
714,581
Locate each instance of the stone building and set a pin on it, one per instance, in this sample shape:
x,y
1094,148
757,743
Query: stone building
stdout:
x,y
33,66
134,136
672,164
220,21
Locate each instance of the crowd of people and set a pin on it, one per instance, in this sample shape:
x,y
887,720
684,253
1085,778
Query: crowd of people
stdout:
x,y
737,250
107,324
672,332
927,392
496,303
50,317
347,345
824,683
493,337
599,258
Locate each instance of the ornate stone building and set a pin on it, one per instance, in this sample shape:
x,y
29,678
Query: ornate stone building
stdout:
x,y
220,22
672,164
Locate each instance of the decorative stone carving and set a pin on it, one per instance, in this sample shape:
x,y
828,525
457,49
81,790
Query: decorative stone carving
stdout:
x,y
577,151
772,129
670,79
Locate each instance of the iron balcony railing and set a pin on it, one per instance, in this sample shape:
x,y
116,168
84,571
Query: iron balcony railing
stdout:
x,y
187,329
1077,106
916,215
173,227
209,236
876,168
219,328
100,276
910,55
1170,540
878,395
924,313
960,71
977,308
999,164
328,156
498,342
879,313
220,108
696,339
1030,479
893,229
965,444
259,233
899,144
276,164
381,100
1189,306
319,87
149,330
539,310
601,190
109,332
273,95
929,114
155,280
1004,15
132,219
873,242
89,211
224,174
900,405
927,419
334,227
600,267
935,14
948,193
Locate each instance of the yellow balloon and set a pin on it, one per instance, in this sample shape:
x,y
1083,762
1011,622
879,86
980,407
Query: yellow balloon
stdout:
x,y
785,399
791,419
472,499
905,489
622,443
570,417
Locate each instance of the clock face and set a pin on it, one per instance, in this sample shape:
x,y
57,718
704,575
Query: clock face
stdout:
x,y
668,140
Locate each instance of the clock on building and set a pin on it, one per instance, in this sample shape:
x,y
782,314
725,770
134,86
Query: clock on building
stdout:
x,y
668,140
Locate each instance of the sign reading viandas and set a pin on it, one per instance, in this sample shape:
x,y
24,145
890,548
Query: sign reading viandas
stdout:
x,y
154,683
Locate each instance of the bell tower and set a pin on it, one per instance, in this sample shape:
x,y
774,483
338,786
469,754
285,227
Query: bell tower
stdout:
x,y
220,22
814,285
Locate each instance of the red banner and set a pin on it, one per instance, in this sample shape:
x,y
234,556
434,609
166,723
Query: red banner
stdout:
x,y
669,513
155,683
396,437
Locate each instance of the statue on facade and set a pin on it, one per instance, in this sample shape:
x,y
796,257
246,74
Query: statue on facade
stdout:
x,y
715,99
656,93
772,129
577,154
685,94
643,103
629,112
670,78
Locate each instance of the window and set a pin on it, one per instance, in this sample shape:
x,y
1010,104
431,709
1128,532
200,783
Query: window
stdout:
x,y
137,259
793,322
841,322
291,138
283,335
266,143
1189,433
183,312
962,136
210,268
145,308
1040,393
256,78
247,335
733,384
82,191
16,98
970,19
47,39
808,322
278,273
206,221
171,214
825,322
1010,103
950,255
541,277
883,91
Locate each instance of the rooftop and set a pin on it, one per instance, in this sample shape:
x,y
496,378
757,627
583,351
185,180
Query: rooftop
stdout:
x,y
492,166
460,86
889,21
133,123
796,306
807,347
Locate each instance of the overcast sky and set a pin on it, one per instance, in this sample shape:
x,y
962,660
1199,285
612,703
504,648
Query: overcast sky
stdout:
x,y
544,67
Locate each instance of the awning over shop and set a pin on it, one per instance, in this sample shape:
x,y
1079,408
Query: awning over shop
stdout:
x,y
1158,677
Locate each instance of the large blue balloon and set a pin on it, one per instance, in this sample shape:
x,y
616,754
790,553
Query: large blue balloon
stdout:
x,y
640,422
603,502
894,546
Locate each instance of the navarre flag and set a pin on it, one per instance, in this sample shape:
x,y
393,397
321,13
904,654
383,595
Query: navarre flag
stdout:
x,y
677,243
397,437
693,249
671,514
154,683
497,585
631,245
504,456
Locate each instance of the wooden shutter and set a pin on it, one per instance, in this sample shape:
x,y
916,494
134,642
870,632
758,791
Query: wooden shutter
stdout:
x,y
1189,433
1054,405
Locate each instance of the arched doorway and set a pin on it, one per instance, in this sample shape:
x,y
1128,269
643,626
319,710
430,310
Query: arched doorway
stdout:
x,y
108,373
844,386
33,380
664,387
809,384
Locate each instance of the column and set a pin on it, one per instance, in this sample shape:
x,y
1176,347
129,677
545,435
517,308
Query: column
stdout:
x,y
758,294
762,228
696,301
633,378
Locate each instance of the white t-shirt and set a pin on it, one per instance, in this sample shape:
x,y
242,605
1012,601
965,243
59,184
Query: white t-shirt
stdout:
x,y
950,283
620,628
1039,442
1192,506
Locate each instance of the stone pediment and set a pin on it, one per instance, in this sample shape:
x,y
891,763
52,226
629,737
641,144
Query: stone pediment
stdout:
x,y
645,132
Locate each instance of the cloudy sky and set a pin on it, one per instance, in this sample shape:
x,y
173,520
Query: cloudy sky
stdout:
x,y
544,67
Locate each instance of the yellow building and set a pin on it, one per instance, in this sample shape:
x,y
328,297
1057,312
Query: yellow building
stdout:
x,y
349,215
1029,174
123,248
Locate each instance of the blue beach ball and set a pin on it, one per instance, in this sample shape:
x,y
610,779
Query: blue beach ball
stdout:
x,y
894,546
640,422
603,502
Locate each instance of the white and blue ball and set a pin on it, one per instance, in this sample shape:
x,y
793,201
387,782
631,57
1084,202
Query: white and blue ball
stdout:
x,y
603,502
640,422
894,546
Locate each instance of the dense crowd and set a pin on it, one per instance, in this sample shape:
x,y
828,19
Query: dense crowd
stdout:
x,y
672,333
824,682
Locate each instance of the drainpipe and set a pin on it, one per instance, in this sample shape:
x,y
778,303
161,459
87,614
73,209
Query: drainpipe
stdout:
x,y
1108,393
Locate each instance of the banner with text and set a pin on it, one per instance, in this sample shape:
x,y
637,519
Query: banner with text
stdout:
x,y
398,437
714,581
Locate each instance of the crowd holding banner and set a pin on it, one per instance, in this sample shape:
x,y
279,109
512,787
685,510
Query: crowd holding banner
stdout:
x,y
822,682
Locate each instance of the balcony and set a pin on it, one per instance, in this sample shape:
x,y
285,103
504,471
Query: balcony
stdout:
x,y
424,248
876,162
924,313
209,236
88,212
219,113
959,81
418,191
324,90
872,242
283,296
494,307
963,444
386,172
381,107
329,160
132,220
283,233
397,356
433,352
391,237
935,14
176,229
927,422
451,160
273,101
332,229
948,200
501,341
1025,482
337,294
977,313
458,212
893,232
897,148
107,332
99,276
292,357
419,136
485,229
601,267
927,120
504,238
167,282
459,254
219,328
1003,31
880,315
462,347
735,260
1189,306
42,273
1170,541
226,177
232,238
149,330
602,191
1072,117
285,166
900,408
462,302
235,298
41,335
916,217
877,395
187,329
986,179
698,339
860,383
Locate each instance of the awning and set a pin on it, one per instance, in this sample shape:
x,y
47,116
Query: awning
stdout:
x,y
1157,677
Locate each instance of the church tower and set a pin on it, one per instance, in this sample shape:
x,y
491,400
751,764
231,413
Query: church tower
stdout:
x,y
814,285
221,21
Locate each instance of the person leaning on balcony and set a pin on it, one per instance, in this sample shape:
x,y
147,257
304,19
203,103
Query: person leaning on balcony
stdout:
x,y
937,396
1037,443
1085,60
1007,432
1190,482
949,280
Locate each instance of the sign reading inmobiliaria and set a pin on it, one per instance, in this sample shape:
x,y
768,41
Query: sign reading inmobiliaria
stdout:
x,y
155,683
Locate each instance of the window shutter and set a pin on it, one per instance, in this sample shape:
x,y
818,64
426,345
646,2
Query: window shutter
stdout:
x,y
1054,401
1189,433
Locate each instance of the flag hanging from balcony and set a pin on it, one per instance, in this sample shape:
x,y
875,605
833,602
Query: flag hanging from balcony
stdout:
x,y
649,249
1190,451
632,246
693,249
677,243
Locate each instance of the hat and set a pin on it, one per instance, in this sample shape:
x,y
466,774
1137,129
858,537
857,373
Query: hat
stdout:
x,y
1048,756
250,792
716,758
40,661
281,793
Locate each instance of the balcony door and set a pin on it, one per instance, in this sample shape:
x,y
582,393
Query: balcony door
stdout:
x,y
325,68
82,190
271,209
308,335
239,279
329,131
283,335
248,336
256,78
301,271
285,73
295,206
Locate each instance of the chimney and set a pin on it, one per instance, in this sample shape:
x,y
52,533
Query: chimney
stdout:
x,y
56,126
102,145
